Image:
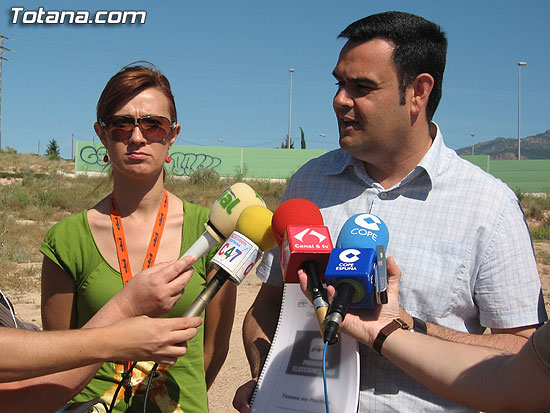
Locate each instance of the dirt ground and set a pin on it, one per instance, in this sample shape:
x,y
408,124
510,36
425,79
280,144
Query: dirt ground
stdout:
x,y
235,370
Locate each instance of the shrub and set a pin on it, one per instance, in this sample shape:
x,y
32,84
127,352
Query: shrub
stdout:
x,y
204,177
541,233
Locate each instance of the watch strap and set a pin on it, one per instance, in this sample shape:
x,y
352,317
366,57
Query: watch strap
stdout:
x,y
393,325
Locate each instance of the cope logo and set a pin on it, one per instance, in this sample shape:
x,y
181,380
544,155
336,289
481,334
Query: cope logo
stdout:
x,y
368,221
350,255
369,226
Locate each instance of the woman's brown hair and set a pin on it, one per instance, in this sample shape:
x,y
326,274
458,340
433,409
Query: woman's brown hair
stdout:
x,y
128,82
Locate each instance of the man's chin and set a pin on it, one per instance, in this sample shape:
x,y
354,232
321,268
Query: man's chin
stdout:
x,y
346,142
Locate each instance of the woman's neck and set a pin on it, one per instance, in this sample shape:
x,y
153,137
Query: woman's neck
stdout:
x,y
138,197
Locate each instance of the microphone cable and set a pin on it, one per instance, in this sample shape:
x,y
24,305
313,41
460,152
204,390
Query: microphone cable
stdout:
x,y
151,375
325,375
125,377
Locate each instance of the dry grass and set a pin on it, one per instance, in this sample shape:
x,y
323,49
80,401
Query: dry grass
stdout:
x,y
33,196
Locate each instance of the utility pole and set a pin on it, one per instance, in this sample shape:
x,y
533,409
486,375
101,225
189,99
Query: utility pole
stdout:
x,y
520,64
289,110
2,48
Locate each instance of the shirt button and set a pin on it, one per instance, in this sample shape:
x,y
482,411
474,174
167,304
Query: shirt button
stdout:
x,y
384,195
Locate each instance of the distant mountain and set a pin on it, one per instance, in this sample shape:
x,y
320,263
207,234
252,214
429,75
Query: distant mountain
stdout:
x,y
532,147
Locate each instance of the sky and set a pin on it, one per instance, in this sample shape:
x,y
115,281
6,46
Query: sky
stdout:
x,y
228,63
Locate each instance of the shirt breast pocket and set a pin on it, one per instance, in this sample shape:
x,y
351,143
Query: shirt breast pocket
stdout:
x,y
435,283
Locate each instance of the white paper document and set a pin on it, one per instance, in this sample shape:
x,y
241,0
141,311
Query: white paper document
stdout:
x,y
292,377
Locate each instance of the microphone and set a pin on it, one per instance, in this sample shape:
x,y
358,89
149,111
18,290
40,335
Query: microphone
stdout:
x,y
222,220
305,243
357,270
238,255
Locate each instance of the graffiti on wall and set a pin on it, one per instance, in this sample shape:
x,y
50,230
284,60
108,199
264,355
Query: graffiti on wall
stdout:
x,y
93,155
187,163
182,163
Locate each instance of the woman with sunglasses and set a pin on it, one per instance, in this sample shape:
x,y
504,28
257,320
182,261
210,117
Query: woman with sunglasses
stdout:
x,y
90,256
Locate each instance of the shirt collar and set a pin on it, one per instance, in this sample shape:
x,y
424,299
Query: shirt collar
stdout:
x,y
431,161
429,164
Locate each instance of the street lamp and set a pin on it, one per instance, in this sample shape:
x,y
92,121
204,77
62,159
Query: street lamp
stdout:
x,y
472,135
220,140
289,110
519,107
322,135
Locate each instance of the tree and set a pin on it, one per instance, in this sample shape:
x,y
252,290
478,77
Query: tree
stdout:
x,y
303,141
284,143
52,151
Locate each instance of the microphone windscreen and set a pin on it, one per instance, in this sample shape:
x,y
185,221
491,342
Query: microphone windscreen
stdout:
x,y
255,223
225,210
363,231
296,211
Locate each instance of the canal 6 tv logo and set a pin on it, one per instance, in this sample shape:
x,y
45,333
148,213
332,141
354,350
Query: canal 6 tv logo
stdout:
x,y
366,230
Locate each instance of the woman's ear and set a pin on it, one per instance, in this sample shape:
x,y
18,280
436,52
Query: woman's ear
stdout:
x,y
175,132
100,132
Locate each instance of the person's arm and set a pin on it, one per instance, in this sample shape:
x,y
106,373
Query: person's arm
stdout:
x,y
26,354
483,378
153,291
259,328
480,377
138,338
218,323
58,304
511,339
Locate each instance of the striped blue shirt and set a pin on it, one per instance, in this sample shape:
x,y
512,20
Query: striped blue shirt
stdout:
x,y
458,234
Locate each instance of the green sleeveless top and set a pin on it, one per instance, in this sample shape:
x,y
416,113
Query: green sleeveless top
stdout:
x,y
179,388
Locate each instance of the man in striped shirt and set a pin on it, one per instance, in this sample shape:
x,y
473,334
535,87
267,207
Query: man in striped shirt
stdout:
x,y
458,234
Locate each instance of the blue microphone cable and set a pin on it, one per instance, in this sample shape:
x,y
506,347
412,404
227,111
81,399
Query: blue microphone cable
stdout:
x,y
325,376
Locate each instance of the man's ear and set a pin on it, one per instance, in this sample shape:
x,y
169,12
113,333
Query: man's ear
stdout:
x,y
421,90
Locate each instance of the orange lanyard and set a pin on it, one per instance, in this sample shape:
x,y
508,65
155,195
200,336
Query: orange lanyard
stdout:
x,y
122,252
120,240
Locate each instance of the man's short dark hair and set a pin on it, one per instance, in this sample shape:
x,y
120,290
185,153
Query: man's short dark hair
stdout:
x,y
420,47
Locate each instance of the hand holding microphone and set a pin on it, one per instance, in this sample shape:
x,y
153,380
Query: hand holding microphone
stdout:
x,y
364,324
356,269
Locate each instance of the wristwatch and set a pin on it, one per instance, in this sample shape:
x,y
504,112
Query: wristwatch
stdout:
x,y
395,324
419,326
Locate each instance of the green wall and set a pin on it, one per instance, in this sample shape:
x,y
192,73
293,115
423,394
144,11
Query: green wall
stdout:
x,y
255,162
525,175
